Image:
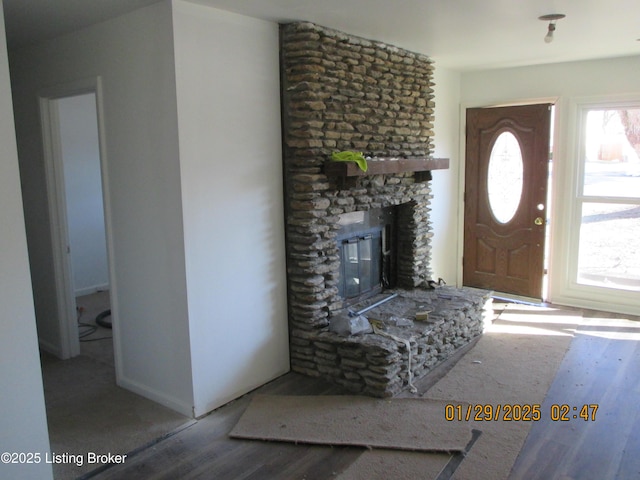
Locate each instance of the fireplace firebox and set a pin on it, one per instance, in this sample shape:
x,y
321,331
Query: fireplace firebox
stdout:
x,y
367,245
361,265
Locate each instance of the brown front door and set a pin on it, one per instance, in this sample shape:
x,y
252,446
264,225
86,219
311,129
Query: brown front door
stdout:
x,y
506,175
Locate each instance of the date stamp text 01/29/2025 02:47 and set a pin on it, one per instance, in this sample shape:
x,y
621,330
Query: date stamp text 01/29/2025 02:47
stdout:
x,y
518,412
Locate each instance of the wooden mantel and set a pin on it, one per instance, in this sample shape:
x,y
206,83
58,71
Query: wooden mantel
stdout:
x,y
381,166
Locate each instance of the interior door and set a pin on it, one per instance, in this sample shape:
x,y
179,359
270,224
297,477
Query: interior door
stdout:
x,y
506,177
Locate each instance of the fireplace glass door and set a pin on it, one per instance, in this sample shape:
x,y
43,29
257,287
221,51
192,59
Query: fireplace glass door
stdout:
x,y
361,259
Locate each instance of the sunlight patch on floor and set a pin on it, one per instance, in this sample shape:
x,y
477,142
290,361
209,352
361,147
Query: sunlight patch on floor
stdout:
x,y
612,328
536,320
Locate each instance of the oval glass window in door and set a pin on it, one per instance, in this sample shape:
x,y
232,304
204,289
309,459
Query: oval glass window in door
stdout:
x,y
505,177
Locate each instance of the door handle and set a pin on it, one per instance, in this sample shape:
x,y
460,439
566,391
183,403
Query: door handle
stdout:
x,y
538,221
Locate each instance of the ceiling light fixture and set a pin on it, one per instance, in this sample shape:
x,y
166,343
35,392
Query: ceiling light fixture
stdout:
x,y
552,18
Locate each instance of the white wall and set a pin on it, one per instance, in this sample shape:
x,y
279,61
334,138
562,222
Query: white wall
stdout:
x,y
565,82
23,423
80,148
446,193
133,55
571,79
227,71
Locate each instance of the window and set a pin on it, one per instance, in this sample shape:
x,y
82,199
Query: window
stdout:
x,y
608,198
505,177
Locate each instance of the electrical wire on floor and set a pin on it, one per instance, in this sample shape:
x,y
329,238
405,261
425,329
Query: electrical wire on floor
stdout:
x,y
100,319
87,329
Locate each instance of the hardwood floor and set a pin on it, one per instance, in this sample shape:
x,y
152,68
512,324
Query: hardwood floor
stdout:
x,y
602,367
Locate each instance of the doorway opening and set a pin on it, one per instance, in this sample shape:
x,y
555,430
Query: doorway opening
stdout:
x,y
80,158
79,219
506,212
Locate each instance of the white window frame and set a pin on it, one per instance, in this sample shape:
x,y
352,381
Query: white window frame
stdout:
x,y
569,198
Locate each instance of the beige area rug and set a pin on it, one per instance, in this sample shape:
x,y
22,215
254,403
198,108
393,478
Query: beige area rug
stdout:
x,y
87,412
402,423
514,363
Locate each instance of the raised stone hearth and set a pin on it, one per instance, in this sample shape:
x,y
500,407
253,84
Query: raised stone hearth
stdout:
x,y
339,93
379,365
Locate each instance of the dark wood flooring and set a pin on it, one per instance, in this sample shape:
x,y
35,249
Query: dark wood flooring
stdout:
x,y
602,367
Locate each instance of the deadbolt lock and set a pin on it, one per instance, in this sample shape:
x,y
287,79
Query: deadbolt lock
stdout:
x,y
538,221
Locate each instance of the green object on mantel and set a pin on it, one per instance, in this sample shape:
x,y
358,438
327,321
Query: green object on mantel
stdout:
x,y
349,156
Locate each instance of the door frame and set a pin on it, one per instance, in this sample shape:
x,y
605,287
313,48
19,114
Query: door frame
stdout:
x,y
69,343
556,102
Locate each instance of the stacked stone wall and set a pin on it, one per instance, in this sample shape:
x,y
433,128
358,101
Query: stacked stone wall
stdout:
x,y
346,93
341,92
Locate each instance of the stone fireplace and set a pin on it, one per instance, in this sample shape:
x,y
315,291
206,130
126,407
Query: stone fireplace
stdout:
x,y
352,234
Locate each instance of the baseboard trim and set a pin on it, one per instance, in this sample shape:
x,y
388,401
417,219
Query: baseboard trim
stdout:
x,y
50,348
91,290
156,396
